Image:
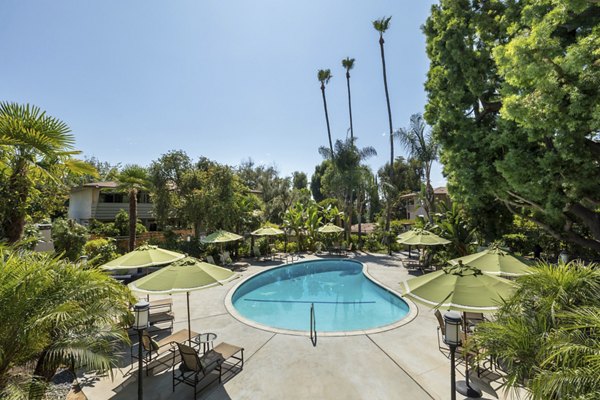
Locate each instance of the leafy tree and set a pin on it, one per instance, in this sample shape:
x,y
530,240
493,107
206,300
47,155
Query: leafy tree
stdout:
x,y
423,148
122,225
36,153
210,194
348,64
69,238
381,26
324,75
407,179
299,180
547,336
165,176
315,181
514,101
132,179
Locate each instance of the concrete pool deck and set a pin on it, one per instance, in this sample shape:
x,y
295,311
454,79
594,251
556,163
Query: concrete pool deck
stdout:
x,y
401,363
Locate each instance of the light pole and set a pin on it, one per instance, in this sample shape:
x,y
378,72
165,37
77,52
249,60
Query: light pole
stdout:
x,y
141,311
452,323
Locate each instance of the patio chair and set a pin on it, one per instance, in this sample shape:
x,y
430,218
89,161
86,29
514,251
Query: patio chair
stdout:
x,y
195,369
210,260
154,354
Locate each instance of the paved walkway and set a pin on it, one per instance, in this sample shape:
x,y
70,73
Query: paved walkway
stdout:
x,y
401,363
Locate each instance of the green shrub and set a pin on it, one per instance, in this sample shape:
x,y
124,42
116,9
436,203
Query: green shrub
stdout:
x,y
100,251
69,238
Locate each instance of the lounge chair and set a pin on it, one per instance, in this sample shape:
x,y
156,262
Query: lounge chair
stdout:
x,y
195,369
160,356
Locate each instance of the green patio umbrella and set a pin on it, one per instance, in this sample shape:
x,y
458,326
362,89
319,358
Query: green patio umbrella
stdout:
x,y
422,238
184,275
407,234
459,288
267,231
495,261
221,236
330,228
143,257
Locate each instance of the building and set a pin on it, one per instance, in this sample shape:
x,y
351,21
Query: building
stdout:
x,y
102,201
414,206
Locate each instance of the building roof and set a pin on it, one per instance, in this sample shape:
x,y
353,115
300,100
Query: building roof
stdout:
x,y
104,184
442,190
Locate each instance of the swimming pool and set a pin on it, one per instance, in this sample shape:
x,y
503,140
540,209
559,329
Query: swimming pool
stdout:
x,y
344,298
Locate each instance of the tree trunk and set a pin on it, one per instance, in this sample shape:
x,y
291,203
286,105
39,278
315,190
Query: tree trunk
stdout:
x,y
327,118
350,106
389,110
18,190
132,217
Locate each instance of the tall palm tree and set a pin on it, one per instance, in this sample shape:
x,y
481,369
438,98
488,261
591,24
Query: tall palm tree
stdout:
x,y
132,179
381,26
35,148
324,75
421,146
348,63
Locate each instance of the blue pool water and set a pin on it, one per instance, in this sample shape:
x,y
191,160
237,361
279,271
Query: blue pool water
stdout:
x,y
345,299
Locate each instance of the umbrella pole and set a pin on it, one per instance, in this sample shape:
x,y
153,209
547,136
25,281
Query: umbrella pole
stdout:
x,y
189,320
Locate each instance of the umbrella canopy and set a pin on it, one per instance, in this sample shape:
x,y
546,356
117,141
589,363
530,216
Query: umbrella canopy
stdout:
x,y
183,275
459,288
268,231
221,236
330,228
495,261
143,257
423,238
407,234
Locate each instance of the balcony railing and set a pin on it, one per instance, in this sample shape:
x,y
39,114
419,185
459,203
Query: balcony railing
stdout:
x,y
108,211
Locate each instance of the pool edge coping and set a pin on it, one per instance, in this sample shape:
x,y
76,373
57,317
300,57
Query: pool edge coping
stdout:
x,y
410,316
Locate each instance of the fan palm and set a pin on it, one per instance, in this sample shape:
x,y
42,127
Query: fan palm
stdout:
x,y
381,26
348,64
132,179
324,75
56,313
421,146
547,336
34,147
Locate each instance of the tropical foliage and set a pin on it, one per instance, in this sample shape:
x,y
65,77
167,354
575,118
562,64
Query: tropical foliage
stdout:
x,y
55,314
547,336
36,157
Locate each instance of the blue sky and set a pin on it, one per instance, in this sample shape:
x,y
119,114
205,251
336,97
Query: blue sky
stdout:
x,y
227,80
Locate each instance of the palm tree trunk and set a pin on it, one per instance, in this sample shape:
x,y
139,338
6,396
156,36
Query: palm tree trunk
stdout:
x,y
18,189
132,217
389,109
327,119
350,106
